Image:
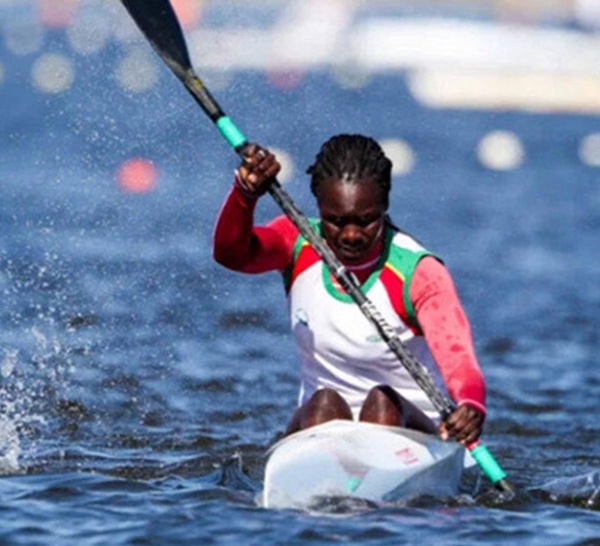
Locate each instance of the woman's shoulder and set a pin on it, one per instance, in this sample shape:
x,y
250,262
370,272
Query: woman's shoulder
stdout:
x,y
405,241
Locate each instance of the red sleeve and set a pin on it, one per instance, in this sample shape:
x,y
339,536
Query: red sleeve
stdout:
x,y
447,332
241,246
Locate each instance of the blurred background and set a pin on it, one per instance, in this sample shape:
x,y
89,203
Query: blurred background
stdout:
x,y
494,56
77,75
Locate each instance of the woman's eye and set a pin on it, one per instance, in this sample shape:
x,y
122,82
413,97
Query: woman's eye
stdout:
x,y
361,221
367,220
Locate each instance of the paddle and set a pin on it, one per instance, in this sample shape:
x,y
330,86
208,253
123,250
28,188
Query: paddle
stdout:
x,y
158,22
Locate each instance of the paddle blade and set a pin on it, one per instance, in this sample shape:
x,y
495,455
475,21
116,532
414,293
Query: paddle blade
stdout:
x,y
157,20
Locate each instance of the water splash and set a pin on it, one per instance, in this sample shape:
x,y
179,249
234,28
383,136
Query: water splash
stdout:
x,y
31,379
582,490
10,447
8,362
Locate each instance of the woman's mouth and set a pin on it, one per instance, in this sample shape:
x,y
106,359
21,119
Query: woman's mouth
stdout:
x,y
350,254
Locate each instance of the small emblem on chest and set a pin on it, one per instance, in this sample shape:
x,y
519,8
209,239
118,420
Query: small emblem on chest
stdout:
x,y
302,317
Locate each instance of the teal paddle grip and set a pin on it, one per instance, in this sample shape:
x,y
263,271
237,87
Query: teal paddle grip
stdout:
x,y
231,133
488,464
352,483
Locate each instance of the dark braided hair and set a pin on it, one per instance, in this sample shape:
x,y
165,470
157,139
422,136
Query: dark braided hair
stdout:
x,y
351,158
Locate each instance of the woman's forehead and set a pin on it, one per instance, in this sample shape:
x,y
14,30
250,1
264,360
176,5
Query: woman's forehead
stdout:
x,y
358,194
351,183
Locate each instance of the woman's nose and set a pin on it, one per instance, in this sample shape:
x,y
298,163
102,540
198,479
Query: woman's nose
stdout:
x,y
351,232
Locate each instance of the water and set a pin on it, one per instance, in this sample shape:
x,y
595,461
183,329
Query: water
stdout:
x,y
141,384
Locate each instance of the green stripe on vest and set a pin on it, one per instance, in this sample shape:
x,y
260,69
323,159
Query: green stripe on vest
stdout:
x,y
405,261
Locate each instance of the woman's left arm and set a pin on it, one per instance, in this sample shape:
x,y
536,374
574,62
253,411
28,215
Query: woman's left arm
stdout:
x,y
448,334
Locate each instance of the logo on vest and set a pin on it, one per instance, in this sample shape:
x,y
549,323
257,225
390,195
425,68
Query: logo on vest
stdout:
x,y
373,338
302,317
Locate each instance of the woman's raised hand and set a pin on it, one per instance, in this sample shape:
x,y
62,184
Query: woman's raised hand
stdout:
x,y
258,169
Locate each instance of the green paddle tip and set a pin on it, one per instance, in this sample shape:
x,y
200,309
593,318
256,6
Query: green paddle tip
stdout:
x,y
492,469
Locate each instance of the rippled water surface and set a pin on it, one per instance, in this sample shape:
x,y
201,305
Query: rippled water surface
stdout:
x,y
141,384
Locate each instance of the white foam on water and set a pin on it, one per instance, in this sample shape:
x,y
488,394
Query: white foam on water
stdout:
x,y
8,362
10,447
25,377
584,488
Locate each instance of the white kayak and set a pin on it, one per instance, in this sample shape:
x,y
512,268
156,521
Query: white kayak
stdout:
x,y
362,460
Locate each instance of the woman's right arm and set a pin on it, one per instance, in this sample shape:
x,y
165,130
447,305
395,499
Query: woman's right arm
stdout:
x,y
238,244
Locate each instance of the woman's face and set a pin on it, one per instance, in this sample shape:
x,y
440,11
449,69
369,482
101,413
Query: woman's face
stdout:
x,y
352,215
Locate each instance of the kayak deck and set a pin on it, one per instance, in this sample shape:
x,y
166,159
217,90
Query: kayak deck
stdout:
x,y
356,459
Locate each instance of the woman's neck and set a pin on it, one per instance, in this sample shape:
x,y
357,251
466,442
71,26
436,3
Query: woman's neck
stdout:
x,y
366,266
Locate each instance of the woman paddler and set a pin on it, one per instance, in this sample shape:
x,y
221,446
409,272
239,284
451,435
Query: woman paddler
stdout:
x,y
347,370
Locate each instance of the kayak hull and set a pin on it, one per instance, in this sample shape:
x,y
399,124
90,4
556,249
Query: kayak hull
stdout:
x,y
362,460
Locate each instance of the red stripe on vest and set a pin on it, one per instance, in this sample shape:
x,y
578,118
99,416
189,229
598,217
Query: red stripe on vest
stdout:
x,y
306,258
394,286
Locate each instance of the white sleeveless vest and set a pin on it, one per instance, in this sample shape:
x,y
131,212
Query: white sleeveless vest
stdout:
x,y
338,347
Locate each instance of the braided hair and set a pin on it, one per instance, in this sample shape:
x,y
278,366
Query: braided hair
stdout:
x,y
352,158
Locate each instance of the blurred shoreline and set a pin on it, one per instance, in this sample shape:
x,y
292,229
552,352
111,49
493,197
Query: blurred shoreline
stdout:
x,y
467,54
